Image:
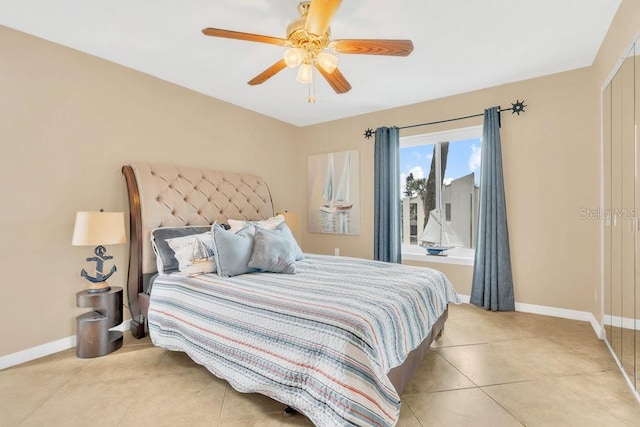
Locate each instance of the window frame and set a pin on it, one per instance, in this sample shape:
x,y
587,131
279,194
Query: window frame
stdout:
x,y
460,256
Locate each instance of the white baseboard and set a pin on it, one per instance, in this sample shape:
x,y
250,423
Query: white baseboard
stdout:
x,y
47,349
464,298
622,322
564,313
70,342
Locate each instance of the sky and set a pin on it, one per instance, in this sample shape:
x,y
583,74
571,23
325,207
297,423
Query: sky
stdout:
x,y
463,158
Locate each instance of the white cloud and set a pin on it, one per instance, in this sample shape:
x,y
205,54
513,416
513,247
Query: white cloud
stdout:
x,y
474,158
447,181
403,183
417,172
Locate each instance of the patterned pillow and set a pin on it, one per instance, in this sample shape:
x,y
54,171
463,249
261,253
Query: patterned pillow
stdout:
x,y
194,253
269,224
165,257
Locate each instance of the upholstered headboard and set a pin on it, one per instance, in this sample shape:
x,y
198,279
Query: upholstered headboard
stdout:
x,y
174,196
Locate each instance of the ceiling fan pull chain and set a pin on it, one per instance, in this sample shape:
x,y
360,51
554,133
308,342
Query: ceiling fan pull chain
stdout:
x,y
313,82
311,86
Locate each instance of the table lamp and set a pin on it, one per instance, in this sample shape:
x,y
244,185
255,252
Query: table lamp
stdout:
x,y
100,229
291,219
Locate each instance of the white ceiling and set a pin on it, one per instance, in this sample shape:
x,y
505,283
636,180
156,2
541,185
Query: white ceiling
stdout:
x,y
460,45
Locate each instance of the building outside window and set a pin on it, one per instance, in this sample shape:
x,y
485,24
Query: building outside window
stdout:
x,y
413,223
440,175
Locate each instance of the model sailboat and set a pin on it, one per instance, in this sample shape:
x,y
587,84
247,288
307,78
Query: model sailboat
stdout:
x,y
336,197
438,236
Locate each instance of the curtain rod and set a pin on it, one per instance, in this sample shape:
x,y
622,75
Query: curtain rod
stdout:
x,y
517,108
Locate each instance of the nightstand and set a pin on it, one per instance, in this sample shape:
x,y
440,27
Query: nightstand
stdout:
x,y
93,337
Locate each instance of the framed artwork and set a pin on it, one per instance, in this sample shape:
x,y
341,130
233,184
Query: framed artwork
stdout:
x,y
333,193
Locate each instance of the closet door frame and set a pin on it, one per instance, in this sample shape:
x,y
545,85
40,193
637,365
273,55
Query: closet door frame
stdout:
x,y
620,206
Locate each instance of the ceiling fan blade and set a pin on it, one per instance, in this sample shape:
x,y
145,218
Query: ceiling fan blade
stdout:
x,y
228,34
373,47
320,13
336,80
268,73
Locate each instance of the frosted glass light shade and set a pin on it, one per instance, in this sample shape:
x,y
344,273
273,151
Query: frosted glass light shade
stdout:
x,y
99,228
304,74
293,57
327,61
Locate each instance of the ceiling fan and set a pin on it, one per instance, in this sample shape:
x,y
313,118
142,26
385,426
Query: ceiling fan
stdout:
x,y
308,42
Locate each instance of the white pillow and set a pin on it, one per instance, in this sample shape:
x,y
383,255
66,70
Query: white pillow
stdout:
x,y
268,224
194,253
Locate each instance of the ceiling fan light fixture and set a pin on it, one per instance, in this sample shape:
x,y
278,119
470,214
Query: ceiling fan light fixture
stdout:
x,y
294,56
307,44
327,61
304,73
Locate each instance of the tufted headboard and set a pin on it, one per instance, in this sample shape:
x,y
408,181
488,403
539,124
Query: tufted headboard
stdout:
x,y
175,196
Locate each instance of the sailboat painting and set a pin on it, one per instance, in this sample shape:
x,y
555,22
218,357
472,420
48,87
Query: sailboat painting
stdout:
x,y
333,193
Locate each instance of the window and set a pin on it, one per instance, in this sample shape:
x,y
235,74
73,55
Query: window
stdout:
x,y
413,213
414,234
440,175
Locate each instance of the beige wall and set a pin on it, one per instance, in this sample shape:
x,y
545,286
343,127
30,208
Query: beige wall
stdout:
x,y
624,30
460,276
551,162
625,27
68,122
552,171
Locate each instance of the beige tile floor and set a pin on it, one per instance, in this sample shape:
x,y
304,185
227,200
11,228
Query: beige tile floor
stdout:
x,y
489,369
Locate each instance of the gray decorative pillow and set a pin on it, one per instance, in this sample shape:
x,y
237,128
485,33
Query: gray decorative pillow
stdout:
x,y
283,230
272,252
165,257
232,251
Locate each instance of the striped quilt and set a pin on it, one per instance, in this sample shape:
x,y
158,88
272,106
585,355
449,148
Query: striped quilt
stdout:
x,y
321,340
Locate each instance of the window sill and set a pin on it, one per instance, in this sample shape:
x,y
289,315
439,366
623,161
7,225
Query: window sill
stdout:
x,y
458,256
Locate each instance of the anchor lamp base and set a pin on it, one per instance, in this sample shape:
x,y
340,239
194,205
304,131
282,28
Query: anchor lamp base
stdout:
x,y
96,288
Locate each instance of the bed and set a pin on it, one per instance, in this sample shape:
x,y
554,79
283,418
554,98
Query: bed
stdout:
x,y
327,341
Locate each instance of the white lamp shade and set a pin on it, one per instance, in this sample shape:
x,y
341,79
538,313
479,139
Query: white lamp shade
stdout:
x,y
304,74
327,61
291,219
99,228
294,56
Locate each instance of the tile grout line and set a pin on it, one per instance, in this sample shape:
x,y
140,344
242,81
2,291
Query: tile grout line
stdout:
x,y
549,378
26,418
412,413
224,397
147,378
458,370
502,406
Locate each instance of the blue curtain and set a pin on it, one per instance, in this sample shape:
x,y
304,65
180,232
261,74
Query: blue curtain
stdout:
x,y
492,286
387,199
